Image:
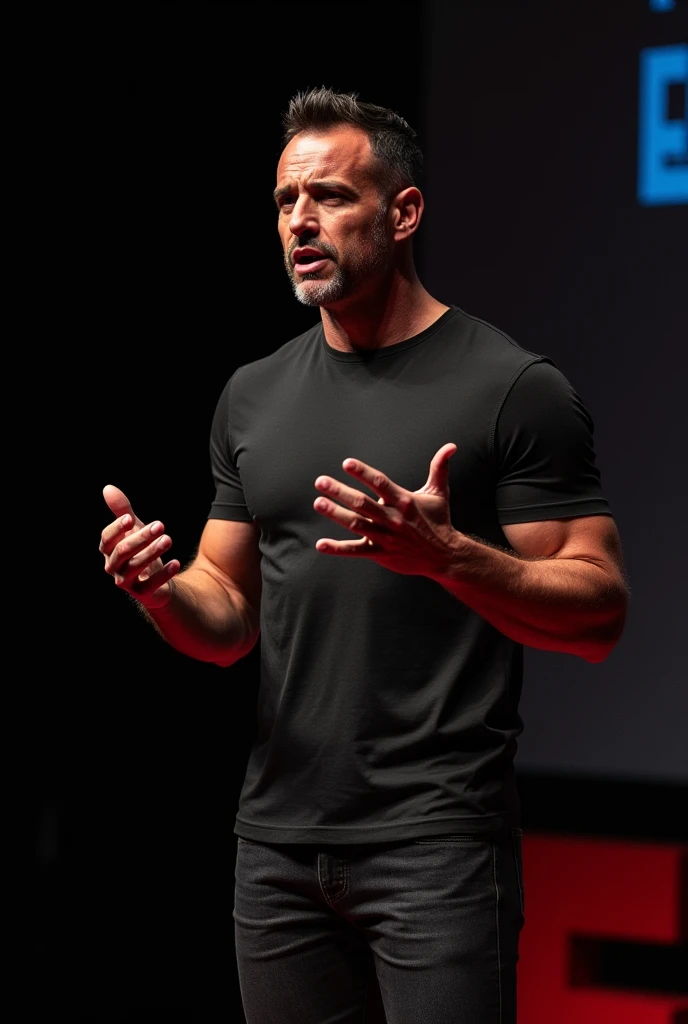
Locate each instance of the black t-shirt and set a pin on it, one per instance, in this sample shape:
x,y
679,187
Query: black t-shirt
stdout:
x,y
387,708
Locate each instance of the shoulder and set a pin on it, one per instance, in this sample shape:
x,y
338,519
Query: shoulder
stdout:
x,y
526,375
253,381
493,350
258,372
539,390
489,334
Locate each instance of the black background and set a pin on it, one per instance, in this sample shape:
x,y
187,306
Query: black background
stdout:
x,y
154,271
161,272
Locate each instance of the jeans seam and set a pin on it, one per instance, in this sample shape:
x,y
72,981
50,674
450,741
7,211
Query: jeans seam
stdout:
x,y
345,887
499,958
333,897
518,872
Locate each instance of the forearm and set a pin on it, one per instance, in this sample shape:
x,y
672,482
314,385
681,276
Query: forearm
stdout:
x,y
203,620
557,604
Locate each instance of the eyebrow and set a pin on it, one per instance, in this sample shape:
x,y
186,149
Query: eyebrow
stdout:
x,y
336,186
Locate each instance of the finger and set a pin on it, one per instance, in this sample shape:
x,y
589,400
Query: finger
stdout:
x,y
375,480
113,533
142,566
345,547
133,544
350,520
118,503
353,499
146,588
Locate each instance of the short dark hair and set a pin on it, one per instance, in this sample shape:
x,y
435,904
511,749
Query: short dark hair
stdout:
x,y
392,140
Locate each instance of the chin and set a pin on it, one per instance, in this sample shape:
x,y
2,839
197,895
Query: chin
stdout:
x,y
306,300
316,292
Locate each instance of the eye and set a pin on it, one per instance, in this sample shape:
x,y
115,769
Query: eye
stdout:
x,y
285,201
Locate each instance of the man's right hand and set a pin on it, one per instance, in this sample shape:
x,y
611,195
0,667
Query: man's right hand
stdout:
x,y
132,551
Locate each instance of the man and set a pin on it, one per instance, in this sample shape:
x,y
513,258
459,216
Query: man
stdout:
x,y
404,498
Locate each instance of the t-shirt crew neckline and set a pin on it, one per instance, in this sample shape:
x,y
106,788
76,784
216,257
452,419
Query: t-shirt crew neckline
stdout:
x,y
387,350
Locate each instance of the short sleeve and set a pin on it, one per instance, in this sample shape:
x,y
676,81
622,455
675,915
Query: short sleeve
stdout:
x,y
229,502
543,447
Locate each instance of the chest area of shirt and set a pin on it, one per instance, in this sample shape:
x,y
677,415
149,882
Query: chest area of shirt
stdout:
x,y
282,448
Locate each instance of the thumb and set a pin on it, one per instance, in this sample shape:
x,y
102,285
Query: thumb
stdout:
x,y
439,467
118,503
437,481
445,453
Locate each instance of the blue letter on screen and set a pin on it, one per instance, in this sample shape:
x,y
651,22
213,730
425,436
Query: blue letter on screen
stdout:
x,y
662,143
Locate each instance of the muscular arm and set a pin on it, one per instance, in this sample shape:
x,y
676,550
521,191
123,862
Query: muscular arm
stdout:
x,y
562,589
203,619
213,611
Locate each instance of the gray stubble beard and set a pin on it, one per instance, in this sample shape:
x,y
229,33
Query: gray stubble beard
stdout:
x,y
342,283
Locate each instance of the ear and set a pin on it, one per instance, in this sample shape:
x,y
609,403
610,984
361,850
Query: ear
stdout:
x,y
407,210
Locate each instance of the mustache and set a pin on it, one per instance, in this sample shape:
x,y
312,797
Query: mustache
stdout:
x,y
323,247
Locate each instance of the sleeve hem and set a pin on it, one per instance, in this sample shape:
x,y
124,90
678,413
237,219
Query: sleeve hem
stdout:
x,y
232,511
553,510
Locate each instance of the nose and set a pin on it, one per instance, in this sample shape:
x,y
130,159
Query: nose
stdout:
x,y
303,220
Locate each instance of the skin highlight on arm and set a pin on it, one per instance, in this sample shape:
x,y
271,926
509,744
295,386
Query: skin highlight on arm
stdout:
x,y
570,602
205,619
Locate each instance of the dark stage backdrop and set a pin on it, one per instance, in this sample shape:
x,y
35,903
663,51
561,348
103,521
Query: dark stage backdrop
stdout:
x,y
150,232
540,221
161,272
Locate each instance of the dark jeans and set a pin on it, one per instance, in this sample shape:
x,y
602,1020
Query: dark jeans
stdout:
x,y
420,932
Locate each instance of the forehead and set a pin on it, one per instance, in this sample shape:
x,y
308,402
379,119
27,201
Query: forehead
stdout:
x,y
340,153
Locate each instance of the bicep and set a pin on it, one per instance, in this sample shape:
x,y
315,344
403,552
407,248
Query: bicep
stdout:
x,y
229,551
590,538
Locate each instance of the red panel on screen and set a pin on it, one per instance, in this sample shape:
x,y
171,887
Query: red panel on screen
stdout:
x,y
579,889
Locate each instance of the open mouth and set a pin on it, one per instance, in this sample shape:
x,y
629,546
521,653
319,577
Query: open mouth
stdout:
x,y
308,260
309,264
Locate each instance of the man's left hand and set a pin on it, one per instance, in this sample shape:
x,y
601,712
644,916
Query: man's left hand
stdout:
x,y
409,532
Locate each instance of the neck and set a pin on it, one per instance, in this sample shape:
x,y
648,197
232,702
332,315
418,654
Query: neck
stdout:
x,y
400,310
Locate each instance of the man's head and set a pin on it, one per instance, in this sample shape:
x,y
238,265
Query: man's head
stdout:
x,y
346,194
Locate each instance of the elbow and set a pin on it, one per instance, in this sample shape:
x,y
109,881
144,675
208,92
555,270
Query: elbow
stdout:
x,y
597,651
596,655
609,632
239,651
